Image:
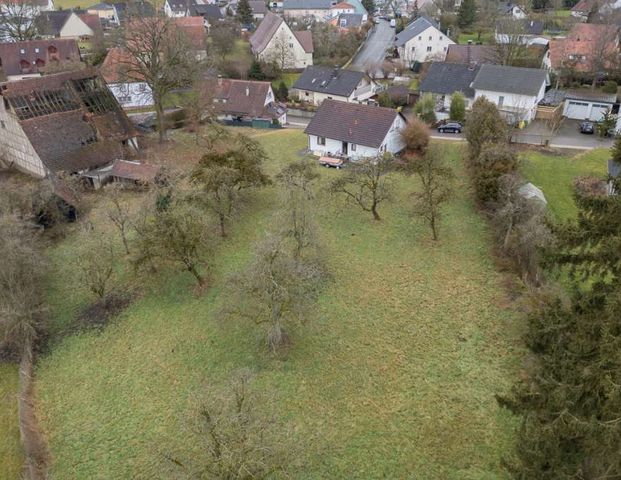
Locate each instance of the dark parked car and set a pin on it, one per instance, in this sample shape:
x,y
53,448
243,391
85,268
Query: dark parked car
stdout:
x,y
452,127
587,127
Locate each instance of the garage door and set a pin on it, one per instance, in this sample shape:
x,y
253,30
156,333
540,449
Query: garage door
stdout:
x,y
577,110
597,113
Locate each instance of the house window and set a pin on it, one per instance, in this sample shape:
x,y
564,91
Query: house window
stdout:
x,y
420,37
291,45
142,87
413,49
321,140
306,93
353,147
429,49
440,38
430,38
36,50
22,51
2,124
125,99
501,101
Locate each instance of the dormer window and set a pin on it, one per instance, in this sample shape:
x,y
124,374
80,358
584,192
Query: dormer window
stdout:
x,y
36,50
24,65
22,51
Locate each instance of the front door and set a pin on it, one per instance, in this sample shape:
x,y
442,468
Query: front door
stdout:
x,y
344,148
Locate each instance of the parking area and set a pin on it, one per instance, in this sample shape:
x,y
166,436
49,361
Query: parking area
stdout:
x,y
567,136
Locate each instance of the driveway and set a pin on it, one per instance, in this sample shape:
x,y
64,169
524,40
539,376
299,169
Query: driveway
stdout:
x,y
567,136
374,49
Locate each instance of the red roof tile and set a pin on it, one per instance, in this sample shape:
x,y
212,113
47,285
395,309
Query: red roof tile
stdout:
x,y
38,54
585,40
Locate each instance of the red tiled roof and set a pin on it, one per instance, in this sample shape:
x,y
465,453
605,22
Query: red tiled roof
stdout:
x,y
583,6
194,29
350,122
38,54
113,65
585,40
305,37
244,97
140,172
92,21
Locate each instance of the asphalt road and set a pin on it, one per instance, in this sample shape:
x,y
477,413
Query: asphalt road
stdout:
x,y
374,49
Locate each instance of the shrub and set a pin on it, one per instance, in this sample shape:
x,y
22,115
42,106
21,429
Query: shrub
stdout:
x,y
384,100
485,125
416,136
425,108
494,161
458,107
610,87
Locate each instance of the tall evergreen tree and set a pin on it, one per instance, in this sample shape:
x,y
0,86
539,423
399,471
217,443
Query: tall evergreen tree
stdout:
x,y
571,401
467,13
244,12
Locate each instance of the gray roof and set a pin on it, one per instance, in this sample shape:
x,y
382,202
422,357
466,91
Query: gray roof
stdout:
x,y
207,11
507,7
614,169
519,27
351,122
307,4
591,96
447,78
349,20
553,97
415,28
101,6
518,80
264,32
178,6
51,23
332,81
258,6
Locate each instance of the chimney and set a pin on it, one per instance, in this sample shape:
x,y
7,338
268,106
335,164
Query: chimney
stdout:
x,y
247,91
219,79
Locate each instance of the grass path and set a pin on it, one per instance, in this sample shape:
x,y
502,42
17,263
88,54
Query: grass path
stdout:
x,y
394,377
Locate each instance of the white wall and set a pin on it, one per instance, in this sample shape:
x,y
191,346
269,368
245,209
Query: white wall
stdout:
x,y
133,94
75,28
15,148
393,143
523,106
319,14
416,49
297,56
363,92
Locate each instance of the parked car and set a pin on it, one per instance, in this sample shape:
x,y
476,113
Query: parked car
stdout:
x,y
587,127
451,127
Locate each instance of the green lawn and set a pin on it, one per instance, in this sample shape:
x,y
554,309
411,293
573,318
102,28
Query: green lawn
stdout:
x,y
486,38
11,457
393,377
288,78
555,175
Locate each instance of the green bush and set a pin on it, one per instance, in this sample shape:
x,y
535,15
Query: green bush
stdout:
x,y
425,108
610,87
458,107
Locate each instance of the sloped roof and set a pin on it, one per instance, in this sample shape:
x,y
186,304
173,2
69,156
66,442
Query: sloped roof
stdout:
x,y
305,37
307,4
139,8
523,26
243,97
140,172
91,20
590,95
51,23
258,6
507,7
415,28
113,67
447,78
194,29
583,6
11,54
518,80
101,6
332,81
350,20
264,32
342,6
206,11
351,122
471,54
584,40
178,6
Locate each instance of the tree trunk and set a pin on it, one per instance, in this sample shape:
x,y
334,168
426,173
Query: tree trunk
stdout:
x,y
161,124
222,225
434,229
374,212
198,276
125,244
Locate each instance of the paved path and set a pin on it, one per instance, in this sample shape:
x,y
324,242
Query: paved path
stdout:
x,y
374,49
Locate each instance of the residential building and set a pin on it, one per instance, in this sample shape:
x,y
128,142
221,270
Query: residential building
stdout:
x,y
318,83
319,10
422,41
516,91
33,58
177,8
512,10
442,80
31,7
587,47
274,41
583,9
67,24
104,11
586,104
129,89
471,54
519,32
68,122
259,9
193,29
211,14
354,130
247,100
139,9
348,21
341,8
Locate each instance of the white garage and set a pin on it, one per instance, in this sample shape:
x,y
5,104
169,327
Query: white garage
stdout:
x,y
587,105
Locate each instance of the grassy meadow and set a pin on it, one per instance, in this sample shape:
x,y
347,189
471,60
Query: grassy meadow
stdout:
x,y
555,175
11,456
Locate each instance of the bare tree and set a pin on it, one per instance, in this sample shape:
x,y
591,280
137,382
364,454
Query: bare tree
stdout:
x,y
119,213
223,36
160,55
281,53
276,290
199,107
511,49
237,441
17,20
435,178
366,183
174,232
96,263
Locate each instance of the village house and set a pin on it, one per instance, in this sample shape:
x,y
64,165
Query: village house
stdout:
x,y
129,89
104,11
515,91
319,10
211,14
68,122
355,131
442,80
587,47
67,24
471,54
177,8
30,7
248,100
138,9
583,9
422,41
512,10
318,83
519,32
586,104
349,21
341,8
274,41
259,9
34,57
